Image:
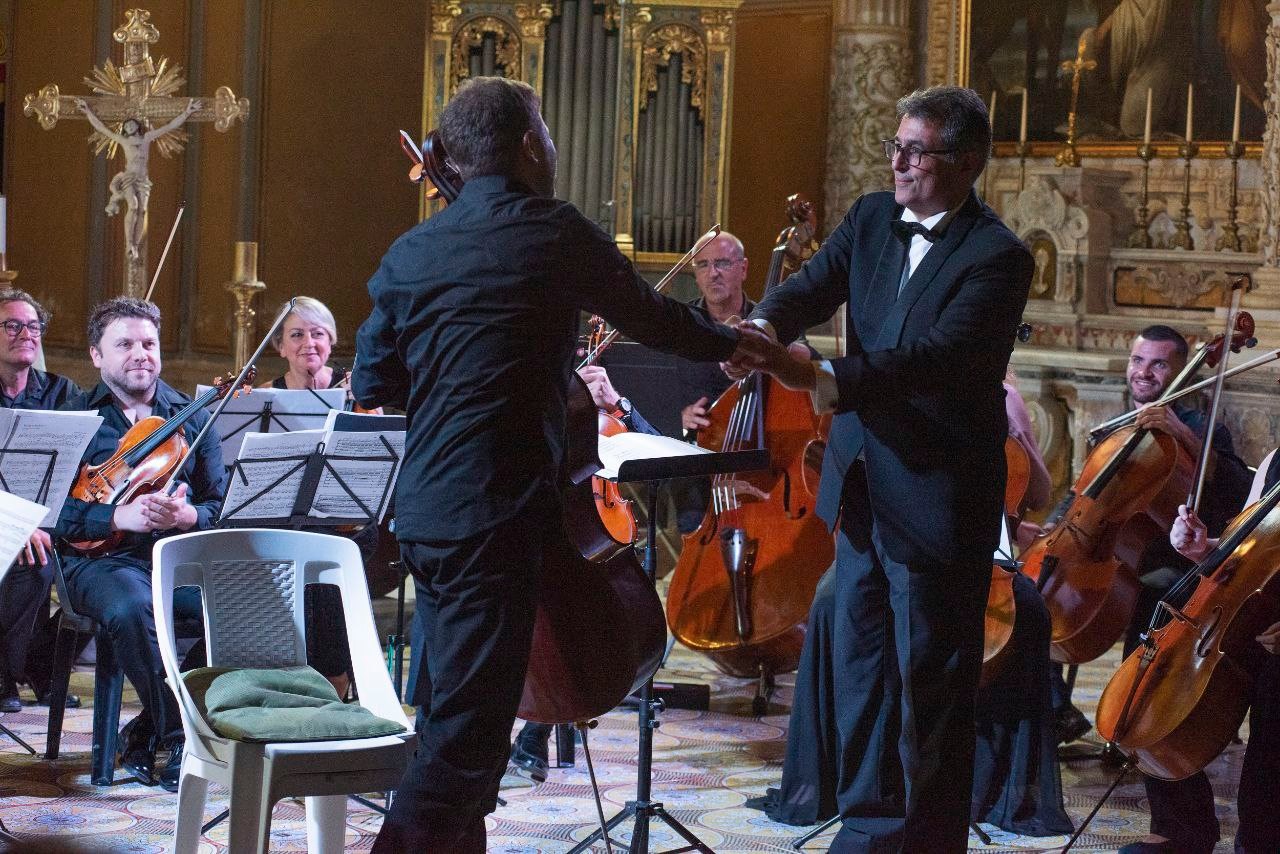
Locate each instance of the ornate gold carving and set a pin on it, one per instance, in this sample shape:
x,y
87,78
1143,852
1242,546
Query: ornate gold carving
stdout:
x,y
947,57
444,15
658,47
533,18
471,35
1177,285
718,25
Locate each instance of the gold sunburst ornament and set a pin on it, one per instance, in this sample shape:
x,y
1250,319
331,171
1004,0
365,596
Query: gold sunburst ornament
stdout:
x,y
135,105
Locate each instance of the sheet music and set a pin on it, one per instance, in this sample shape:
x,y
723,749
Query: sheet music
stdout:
x,y
19,519
278,500
621,447
367,478
68,433
291,410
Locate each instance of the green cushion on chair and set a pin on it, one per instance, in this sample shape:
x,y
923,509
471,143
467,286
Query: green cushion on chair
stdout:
x,y
287,704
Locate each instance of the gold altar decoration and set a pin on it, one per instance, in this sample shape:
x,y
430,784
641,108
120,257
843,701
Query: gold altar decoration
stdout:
x,y
1068,156
471,35
133,107
657,50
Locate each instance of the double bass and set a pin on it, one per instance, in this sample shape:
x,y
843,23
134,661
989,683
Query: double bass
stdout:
x,y
741,590
598,630
1127,494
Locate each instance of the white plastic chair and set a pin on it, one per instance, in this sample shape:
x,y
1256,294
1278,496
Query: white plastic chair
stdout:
x,y
252,582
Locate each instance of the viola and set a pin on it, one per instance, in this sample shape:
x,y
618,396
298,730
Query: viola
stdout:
x,y
1127,494
598,629
742,587
1178,700
1001,610
616,513
145,459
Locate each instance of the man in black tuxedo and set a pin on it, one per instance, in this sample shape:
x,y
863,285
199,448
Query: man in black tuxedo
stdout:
x,y
914,471
472,333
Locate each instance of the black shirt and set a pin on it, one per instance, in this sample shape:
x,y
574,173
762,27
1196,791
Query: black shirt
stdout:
x,y
202,472
705,379
472,333
44,391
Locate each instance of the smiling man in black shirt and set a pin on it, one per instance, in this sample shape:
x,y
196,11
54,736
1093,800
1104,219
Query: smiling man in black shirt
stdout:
x,y
472,333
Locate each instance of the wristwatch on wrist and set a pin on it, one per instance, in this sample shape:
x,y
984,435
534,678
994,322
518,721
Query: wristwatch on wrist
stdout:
x,y
623,408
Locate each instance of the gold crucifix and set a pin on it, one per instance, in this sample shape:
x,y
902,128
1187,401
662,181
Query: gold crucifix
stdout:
x,y
1068,156
133,107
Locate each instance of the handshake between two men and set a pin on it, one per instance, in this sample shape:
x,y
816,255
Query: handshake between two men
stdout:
x,y
758,351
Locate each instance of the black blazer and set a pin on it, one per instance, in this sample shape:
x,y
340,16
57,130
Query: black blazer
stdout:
x,y
920,387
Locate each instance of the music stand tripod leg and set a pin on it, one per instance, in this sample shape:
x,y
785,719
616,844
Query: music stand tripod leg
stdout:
x,y
643,807
14,736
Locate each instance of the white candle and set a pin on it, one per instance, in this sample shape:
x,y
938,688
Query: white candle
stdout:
x,y
246,269
1146,130
991,113
1235,121
1190,109
1022,127
4,228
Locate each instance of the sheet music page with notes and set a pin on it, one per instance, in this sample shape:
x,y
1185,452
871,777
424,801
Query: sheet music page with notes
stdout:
x,y
19,519
623,447
24,475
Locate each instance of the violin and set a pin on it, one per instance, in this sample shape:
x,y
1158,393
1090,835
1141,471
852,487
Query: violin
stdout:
x,y
616,513
598,630
146,458
742,587
1178,700
1127,494
1001,610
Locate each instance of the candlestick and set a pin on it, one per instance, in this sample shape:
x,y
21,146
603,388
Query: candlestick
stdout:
x,y
1023,150
1140,238
1022,124
1230,239
1146,128
1182,237
246,264
1235,119
243,286
1190,108
991,111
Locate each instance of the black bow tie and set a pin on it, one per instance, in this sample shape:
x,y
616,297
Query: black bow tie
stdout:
x,y
906,230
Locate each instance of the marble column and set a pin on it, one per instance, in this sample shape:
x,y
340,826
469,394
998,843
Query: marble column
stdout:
x,y
870,69
1266,291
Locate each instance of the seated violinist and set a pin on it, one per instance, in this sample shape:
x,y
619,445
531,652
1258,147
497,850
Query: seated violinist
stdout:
x,y
115,588
1157,356
1183,818
1016,785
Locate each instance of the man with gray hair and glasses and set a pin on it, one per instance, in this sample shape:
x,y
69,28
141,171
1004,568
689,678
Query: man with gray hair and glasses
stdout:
x,y
913,477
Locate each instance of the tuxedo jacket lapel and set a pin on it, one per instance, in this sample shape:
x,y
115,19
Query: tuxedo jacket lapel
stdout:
x,y
891,331
883,288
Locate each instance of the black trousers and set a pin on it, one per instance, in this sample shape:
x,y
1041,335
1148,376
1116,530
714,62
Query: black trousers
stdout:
x,y
116,592
907,652
23,593
476,601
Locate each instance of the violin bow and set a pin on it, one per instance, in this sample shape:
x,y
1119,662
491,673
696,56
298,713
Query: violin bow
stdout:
x,y
165,254
1202,464
167,489
698,246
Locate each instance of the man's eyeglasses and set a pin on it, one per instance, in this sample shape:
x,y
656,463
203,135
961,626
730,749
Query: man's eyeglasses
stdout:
x,y
13,328
912,154
720,264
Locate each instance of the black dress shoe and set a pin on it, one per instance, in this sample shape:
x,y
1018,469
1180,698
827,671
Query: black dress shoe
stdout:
x,y
137,752
1070,724
73,701
172,770
529,752
9,700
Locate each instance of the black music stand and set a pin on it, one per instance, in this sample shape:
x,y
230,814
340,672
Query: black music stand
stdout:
x,y
652,472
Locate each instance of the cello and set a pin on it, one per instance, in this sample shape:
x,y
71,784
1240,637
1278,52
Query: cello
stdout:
x,y
1001,611
741,589
1127,494
598,629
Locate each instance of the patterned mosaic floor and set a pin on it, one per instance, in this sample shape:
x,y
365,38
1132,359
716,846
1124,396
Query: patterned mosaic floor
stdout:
x,y
706,765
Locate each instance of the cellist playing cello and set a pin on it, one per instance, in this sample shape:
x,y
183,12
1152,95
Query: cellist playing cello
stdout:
x,y
1182,812
1157,355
